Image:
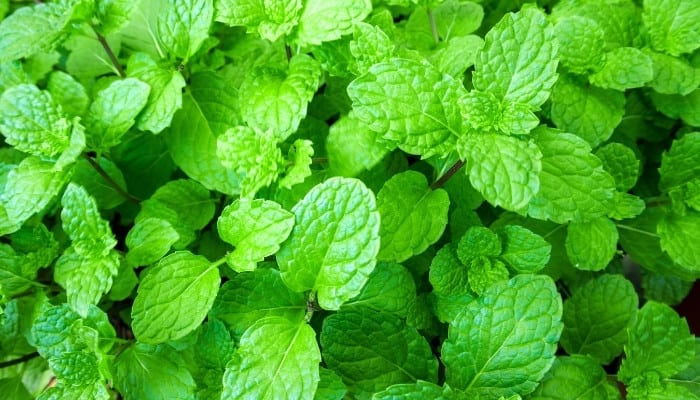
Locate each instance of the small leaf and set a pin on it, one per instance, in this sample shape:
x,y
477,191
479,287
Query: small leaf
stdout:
x,y
573,377
674,27
149,240
581,44
325,20
524,250
184,25
624,68
89,233
390,289
591,245
30,30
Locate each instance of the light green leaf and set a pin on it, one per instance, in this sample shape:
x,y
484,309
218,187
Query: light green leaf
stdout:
x,y
659,342
352,147
165,97
484,272
30,30
620,162
256,228
372,351
581,44
174,297
182,26
686,107
519,61
390,289
411,104
573,183
477,242
87,59
85,175
275,359
94,391
149,240
522,311
486,113
330,387
574,377
251,296
51,331
457,18
673,26
504,169
32,122
12,74
681,163
457,54
587,111
414,391
299,161
144,371
207,111
626,206
272,19
413,216
214,346
326,20
113,14
624,68
69,93
673,75
114,111
678,235
596,317
89,233
591,245
14,389
450,281
523,250
334,244
76,368
370,46
275,99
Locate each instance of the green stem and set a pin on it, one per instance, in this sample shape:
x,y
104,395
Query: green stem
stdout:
x,y
450,172
20,360
110,53
632,229
433,26
128,197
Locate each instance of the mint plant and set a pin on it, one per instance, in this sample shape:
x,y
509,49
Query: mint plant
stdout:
x,y
329,199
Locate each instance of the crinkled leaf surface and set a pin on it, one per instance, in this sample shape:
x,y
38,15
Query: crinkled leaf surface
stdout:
x,y
325,20
30,30
591,245
624,68
524,250
674,26
183,25
575,377
390,289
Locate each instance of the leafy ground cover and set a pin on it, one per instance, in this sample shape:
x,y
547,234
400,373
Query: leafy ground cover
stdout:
x,y
327,199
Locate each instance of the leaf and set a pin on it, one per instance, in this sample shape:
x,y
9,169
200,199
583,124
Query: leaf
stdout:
x,y
32,122
256,228
372,350
477,242
89,233
665,289
677,106
504,169
590,112
275,99
184,25
272,19
620,162
596,317
370,45
214,347
174,297
519,60
414,391
573,184
484,350
68,92
411,104
30,30
624,68
149,240
76,368
352,147
681,163
485,272
659,342
330,387
456,55
486,113
165,96
113,14
334,244
113,112
390,289
251,296
94,391
523,250
276,359
591,245
455,18
413,216
674,27
576,377
673,75
299,160
324,20
581,44
678,235
144,371
14,388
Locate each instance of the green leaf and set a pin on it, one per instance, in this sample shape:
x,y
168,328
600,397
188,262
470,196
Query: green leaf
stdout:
x,y
678,236
165,96
113,14
575,377
271,19
207,111
673,27
597,316
94,391
591,245
390,289
299,160
12,74
113,112
484,273
681,163
495,356
330,387
32,122
573,183
149,240
486,113
251,296
411,104
455,18
275,99
214,346
352,147
183,25
334,244
69,93
587,111
620,162
372,350
673,75
523,250
76,368
477,242
581,44
326,20
256,228
414,391
677,106
624,68
504,169
276,359
144,371
659,342
30,30
413,216
519,61
14,389
626,206
370,45
89,233
450,281
664,288
174,297
456,55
